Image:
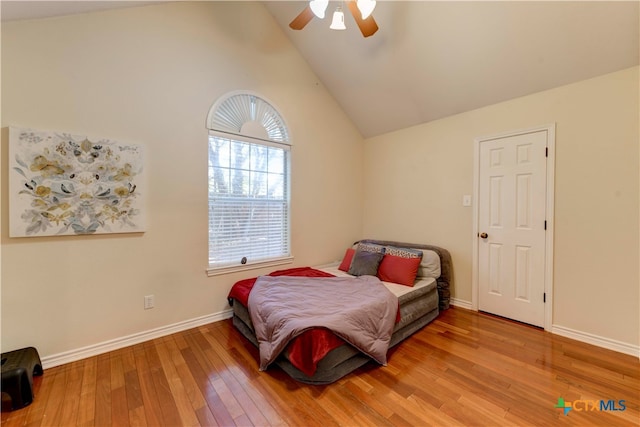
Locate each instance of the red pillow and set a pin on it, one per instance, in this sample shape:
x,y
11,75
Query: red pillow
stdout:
x,y
395,269
346,261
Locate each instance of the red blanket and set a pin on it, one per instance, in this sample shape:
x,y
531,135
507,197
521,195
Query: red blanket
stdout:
x,y
308,348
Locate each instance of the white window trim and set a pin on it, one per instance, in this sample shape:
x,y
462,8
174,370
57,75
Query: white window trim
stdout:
x,y
217,271
236,133
249,139
227,269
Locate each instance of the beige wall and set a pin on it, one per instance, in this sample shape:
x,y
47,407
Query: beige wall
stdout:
x,y
415,179
149,75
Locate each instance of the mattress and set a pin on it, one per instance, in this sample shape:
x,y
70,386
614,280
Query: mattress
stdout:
x,y
418,306
396,289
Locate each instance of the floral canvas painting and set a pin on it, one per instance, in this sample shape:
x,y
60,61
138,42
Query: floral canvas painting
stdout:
x,y
65,184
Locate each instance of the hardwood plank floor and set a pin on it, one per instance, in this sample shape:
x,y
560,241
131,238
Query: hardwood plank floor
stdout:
x,y
464,369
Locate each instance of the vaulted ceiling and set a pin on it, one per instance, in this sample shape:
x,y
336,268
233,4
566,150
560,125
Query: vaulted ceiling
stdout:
x,y
432,59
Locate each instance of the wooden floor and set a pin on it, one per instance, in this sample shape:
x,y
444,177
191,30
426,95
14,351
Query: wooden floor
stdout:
x,y
464,368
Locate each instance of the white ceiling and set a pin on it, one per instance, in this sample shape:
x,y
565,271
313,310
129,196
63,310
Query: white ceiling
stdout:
x,y
28,9
432,59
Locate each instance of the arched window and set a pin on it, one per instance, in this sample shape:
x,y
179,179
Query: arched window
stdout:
x,y
249,184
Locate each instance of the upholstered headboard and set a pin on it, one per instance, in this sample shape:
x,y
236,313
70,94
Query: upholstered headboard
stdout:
x,y
445,280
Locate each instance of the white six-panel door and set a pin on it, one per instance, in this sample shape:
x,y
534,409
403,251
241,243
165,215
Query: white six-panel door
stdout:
x,y
511,226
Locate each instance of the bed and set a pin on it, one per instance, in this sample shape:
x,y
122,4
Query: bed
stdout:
x,y
418,304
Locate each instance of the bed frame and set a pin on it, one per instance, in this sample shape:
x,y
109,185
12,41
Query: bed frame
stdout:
x,y
417,309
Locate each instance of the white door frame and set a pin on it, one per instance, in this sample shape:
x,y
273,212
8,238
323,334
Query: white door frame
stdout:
x,y
549,209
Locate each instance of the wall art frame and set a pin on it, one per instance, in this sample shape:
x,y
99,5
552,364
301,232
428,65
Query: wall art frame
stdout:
x,y
67,184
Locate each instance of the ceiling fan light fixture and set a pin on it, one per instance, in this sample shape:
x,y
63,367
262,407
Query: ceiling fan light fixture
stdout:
x,y
366,7
318,7
338,20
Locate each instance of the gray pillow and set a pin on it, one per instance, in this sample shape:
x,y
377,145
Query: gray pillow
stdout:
x,y
365,263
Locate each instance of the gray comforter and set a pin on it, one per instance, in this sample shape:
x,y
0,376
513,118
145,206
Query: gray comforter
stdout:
x,y
360,310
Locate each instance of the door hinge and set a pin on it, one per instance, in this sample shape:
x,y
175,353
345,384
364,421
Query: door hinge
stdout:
x,y
545,224
544,297
546,151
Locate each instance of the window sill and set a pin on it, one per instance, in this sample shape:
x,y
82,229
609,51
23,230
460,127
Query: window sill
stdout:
x,y
217,271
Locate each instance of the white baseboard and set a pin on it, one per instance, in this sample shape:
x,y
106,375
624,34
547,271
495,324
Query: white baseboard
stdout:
x,y
461,303
115,344
586,337
596,340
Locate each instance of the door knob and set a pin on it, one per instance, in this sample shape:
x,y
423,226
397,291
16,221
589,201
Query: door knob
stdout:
x,y
484,235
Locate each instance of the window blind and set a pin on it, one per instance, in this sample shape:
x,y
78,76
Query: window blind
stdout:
x,y
248,201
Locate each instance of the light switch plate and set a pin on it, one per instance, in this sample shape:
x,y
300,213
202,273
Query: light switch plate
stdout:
x,y
466,200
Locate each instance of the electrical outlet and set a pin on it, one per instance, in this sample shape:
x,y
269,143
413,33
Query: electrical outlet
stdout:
x,y
149,302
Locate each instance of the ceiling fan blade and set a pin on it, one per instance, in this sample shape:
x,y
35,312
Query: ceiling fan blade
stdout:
x,y
300,21
368,26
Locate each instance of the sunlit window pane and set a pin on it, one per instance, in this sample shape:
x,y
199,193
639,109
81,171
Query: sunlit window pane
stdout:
x,y
248,201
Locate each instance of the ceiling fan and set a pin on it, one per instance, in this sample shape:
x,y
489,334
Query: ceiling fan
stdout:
x,y
360,9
